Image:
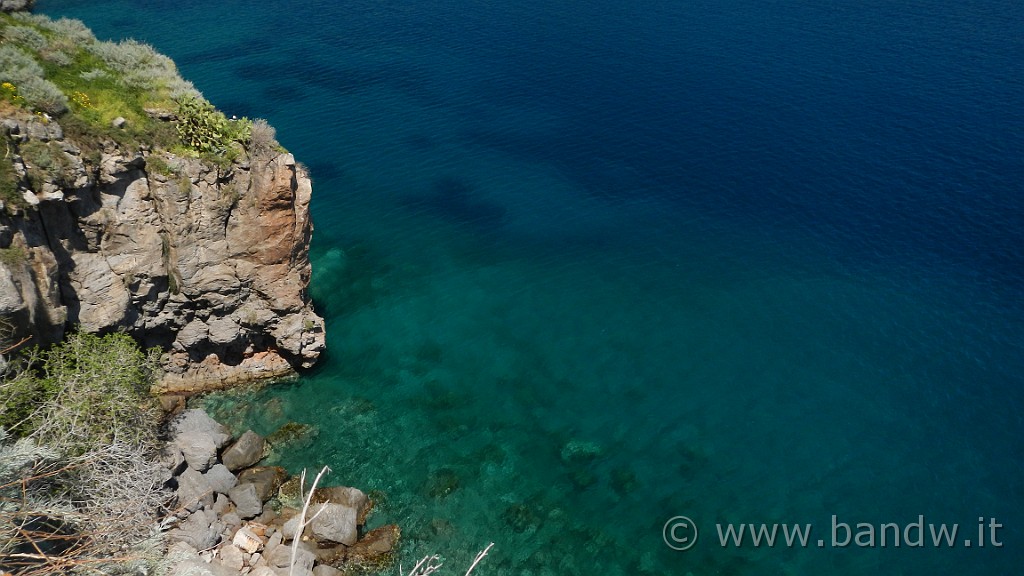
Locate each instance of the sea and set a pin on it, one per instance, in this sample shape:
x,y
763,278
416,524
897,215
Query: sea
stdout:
x,y
607,282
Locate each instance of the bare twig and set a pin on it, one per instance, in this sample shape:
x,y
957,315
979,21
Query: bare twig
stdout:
x,y
303,522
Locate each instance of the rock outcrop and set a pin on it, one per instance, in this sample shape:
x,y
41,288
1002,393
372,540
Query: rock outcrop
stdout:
x,y
207,262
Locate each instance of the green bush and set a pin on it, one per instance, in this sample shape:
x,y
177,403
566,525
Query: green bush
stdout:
x,y
82,394
206,130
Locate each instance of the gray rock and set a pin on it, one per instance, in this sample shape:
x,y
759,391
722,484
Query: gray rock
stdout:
x,y
119,122
336,523
267,479
198,567
194,491
196,420
325,570
245,452
281,557
247,501
197,531
198,448
346,495
274,541
220,478
222,330
232,557
231,520
290,527
221,503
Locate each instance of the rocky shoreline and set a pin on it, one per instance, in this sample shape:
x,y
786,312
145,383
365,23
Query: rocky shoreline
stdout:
x,y
233,517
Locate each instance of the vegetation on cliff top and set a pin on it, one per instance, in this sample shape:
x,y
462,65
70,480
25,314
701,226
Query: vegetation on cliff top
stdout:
x,y
99,91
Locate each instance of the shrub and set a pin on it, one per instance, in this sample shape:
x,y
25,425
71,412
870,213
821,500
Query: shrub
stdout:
x,y
262,138
25,36
97,391
22,71
73,30
206,130
46,162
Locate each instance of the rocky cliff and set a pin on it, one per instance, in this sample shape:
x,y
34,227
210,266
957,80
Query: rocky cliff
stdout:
x,y
207,261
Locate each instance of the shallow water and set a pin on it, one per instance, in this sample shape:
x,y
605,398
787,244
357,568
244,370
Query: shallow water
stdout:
x,y
588,267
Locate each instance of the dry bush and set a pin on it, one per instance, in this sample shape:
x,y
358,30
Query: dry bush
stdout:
x,y
262,139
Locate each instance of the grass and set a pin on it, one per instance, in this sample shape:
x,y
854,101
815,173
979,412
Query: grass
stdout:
x,y
13,256
60,68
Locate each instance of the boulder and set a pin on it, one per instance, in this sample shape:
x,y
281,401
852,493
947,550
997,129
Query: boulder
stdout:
x,y
246,451
375,552
220,478
347,496
336,523
194,491
281,557
196,420
199,531
247,501
199,568
325,570
198,448
232,558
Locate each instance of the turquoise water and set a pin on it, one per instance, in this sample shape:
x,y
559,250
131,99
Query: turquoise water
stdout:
x,y
591,266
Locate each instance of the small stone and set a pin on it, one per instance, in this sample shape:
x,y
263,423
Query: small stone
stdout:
x,y
232,520
221,504
273,541
119,122
246,540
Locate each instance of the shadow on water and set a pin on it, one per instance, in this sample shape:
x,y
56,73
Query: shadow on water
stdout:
x,y
455,201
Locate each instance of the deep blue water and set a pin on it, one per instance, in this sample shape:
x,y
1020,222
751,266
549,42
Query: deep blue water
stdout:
x,y
588,266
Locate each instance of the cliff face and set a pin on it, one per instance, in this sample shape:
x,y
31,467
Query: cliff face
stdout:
x,y
207,262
